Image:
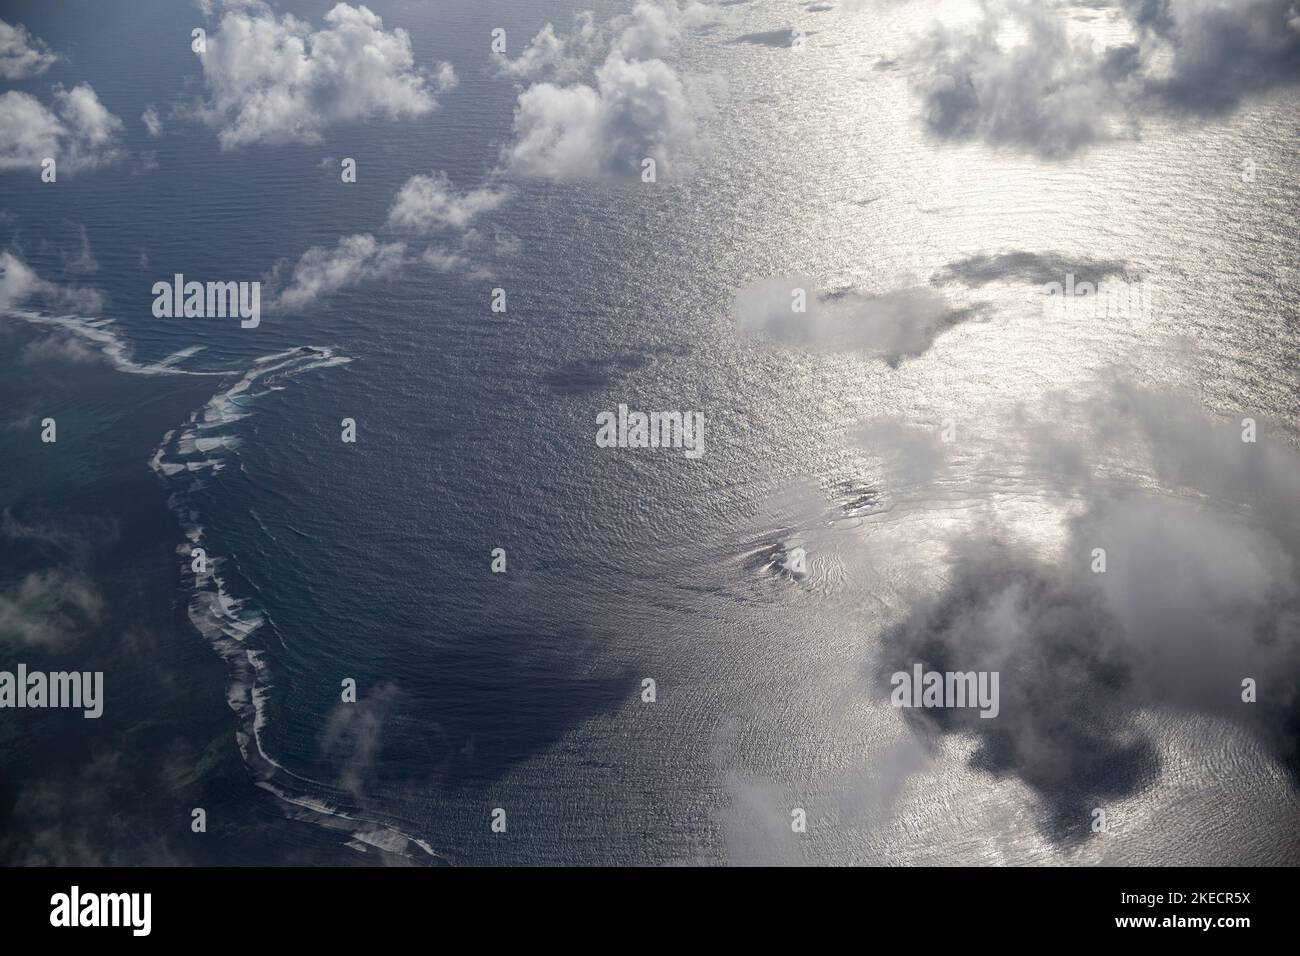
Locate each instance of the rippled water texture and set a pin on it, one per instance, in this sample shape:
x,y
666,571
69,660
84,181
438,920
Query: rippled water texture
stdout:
x,y
523,690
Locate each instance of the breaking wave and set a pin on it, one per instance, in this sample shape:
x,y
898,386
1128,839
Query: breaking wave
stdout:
x,y
188,457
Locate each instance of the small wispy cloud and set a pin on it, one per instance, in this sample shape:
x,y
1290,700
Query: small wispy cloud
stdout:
x,y
893,325
324,269
21,54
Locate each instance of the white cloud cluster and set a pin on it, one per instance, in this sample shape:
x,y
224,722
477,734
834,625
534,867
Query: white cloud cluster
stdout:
x,y
21,54
634,105
1218,52
1055,93
276,80
654,29
78,132
321,269
446,78
1049,92
1199,592
427,204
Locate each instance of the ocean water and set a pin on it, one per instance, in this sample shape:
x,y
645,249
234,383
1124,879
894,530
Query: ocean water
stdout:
x,y
523,690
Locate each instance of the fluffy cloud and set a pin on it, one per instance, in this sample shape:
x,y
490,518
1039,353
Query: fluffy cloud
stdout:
x,y
634,106
424,206
21,286
276,80
152,122
79,132
894,325
654,29
321,270
428,204
1218,52
1054,93
21,54
1049,93
443,259
446,78
1200,592
551,56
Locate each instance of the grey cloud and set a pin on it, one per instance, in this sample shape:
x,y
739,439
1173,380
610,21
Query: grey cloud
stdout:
x,y
915,456
63,348
1200,592
61,535
902,323
1048,94
84,259
1222,53
1028,267
353,736
1055,94
48,609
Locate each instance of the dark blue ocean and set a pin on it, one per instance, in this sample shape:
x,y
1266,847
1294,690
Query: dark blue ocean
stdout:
x,y
523,690
371,561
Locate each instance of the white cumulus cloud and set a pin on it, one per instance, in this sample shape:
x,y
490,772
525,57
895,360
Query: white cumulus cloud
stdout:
x,y
78,132
21,54
322,269
427,204
633,105
277,80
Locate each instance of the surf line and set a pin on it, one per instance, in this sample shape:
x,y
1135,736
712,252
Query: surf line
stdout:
x,y
186,457
184,461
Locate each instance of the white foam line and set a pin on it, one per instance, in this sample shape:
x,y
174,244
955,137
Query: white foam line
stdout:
x,y
230,624
226,622
102,333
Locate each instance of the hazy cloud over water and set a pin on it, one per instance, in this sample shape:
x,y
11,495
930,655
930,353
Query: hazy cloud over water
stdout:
x,y
893,325
1052,90
1194,599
